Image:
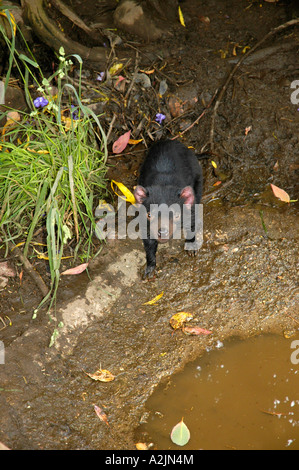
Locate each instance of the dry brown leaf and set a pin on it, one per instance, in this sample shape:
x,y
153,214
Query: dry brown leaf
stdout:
x,y
76,270
204,19
102,375
101,414
280,193
195,330
6,270
141,446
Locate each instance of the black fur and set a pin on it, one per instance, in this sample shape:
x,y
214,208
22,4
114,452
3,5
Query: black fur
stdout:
x,y
170,174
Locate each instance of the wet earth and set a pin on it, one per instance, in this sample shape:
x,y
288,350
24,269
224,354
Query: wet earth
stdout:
x,y
243,283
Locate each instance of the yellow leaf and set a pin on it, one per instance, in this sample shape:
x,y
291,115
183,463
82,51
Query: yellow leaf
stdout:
x,y
12,19
134,142
141,446
126,192
182,21
214,164
115,68
155,299
177,321
245,49
103,205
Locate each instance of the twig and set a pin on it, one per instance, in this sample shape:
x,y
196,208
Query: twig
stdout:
x,y
223,90
294,319
198,119
133,79
110,127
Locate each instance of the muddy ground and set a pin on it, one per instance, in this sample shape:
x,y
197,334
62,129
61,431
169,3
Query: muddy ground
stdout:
x,y
244,281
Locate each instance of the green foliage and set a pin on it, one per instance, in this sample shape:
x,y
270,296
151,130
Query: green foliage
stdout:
x,y
52,162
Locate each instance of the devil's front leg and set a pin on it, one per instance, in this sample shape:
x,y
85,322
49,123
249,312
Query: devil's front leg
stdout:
x,y
150,246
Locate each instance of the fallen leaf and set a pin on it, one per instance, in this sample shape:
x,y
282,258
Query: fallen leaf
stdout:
x,y
177,321
214,164
102,375
180,434
101,414
280,193
248,129
141,446
217,183
143,79
175,106
13,116
6,270
104,206
163,88
195,330
120,84
148,72
126,192
76,270
244,50
134,142
115,68
121,143
154,300
182,21
276,166
3,447
204,19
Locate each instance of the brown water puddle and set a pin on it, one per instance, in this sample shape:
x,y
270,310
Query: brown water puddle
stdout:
x,y
242,396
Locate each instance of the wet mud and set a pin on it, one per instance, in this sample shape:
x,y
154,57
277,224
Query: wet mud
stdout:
x,y
243,283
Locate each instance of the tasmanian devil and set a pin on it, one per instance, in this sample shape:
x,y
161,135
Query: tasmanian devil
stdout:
x,y
169,187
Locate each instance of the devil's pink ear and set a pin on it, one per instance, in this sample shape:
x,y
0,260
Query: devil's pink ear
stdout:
x,y
140,194
187,194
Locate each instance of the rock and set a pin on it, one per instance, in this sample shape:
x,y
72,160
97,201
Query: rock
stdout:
x,y
13,98
131,17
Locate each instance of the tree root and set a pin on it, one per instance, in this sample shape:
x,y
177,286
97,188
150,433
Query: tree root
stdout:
x,y
48,32
229,78
30,270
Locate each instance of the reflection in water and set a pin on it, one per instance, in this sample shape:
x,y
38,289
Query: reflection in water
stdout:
x,y
243,396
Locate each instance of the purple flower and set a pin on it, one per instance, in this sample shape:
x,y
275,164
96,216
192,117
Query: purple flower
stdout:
x,y
75,113
40,102
100,76
160,117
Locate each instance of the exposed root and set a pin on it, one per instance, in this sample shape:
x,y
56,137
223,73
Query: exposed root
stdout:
x,y
48,32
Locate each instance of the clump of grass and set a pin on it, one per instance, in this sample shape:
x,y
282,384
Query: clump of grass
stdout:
x,y
52,163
